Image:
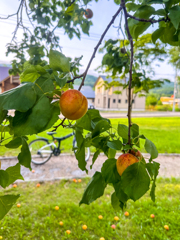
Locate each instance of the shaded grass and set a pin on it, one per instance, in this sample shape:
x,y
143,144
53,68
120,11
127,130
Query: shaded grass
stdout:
x,y
37,219
163,131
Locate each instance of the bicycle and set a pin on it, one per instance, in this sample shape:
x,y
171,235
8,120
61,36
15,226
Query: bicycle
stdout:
x,y
42,149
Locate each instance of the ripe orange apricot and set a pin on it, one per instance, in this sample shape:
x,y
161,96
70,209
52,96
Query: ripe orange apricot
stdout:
x,y
126,214
84,227
89,13
56,208
18,205
152,216
79,180
61,223
14,186
38,185
124,161
68,231
73,104
116,218
100,217
102,238
166,227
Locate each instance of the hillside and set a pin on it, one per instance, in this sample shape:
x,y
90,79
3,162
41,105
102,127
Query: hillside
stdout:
x,y
167,89
89,81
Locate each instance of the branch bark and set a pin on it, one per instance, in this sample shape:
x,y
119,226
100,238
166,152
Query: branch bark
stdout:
x,y
97,46
130,70
151,20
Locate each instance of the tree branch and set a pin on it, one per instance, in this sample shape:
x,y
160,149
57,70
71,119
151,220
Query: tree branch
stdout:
x,y
151,20
130,70
97,46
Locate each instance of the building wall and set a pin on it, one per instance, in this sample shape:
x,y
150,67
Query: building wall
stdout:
x,y
106,99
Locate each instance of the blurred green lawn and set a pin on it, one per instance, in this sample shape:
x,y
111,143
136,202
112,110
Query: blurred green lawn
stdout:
x,y
37,218
164,132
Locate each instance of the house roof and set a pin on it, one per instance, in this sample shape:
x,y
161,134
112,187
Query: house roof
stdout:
x,y
4,72
87,91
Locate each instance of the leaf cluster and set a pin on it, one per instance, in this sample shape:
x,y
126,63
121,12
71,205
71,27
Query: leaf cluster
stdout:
x,y
135,180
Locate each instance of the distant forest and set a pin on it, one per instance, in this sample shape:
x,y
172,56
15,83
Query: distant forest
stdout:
x,y
167,89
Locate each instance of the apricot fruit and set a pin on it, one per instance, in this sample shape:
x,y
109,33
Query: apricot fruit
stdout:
x,y
68,231
61,223
14,186
73,104
89,13
113,226
136,154
126,214
124,161
152,216
100,217
18,205
166,227
38,185
84,227
116,218
56,208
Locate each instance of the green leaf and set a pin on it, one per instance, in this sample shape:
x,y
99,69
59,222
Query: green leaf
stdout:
x,y
3,114
94,189
95,156
151,148
135,181
4,178
20,98
115,144
60,81
35,120
14,173
24,156
144,12
111,153
44,86
108,170
161,12
115,202
157,34
70,9
58,61
6,203
153,169
15,143
85,122
135,130
100,127
31,73
174,15
80,152
123,131
132,6
120,193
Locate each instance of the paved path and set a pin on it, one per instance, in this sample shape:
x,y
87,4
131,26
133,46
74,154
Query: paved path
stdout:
x,y
139,114
65,166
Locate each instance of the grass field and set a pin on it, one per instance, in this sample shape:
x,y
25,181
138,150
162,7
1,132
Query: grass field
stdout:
x,y
164,132
37,218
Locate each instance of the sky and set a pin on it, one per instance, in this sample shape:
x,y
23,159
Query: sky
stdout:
x,y
102,15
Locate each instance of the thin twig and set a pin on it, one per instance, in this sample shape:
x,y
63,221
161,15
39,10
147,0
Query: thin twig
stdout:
x,y
130,70
97,46
72,80
151,20
61,124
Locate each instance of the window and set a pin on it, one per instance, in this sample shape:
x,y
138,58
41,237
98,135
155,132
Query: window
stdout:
x,y
98,100
133,101
114,100
119,100
126,101
93,100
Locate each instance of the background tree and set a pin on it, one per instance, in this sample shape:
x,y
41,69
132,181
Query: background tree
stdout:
x,y
41,82
174,54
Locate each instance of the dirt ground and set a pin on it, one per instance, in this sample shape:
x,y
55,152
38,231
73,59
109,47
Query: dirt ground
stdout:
x,y
66,166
